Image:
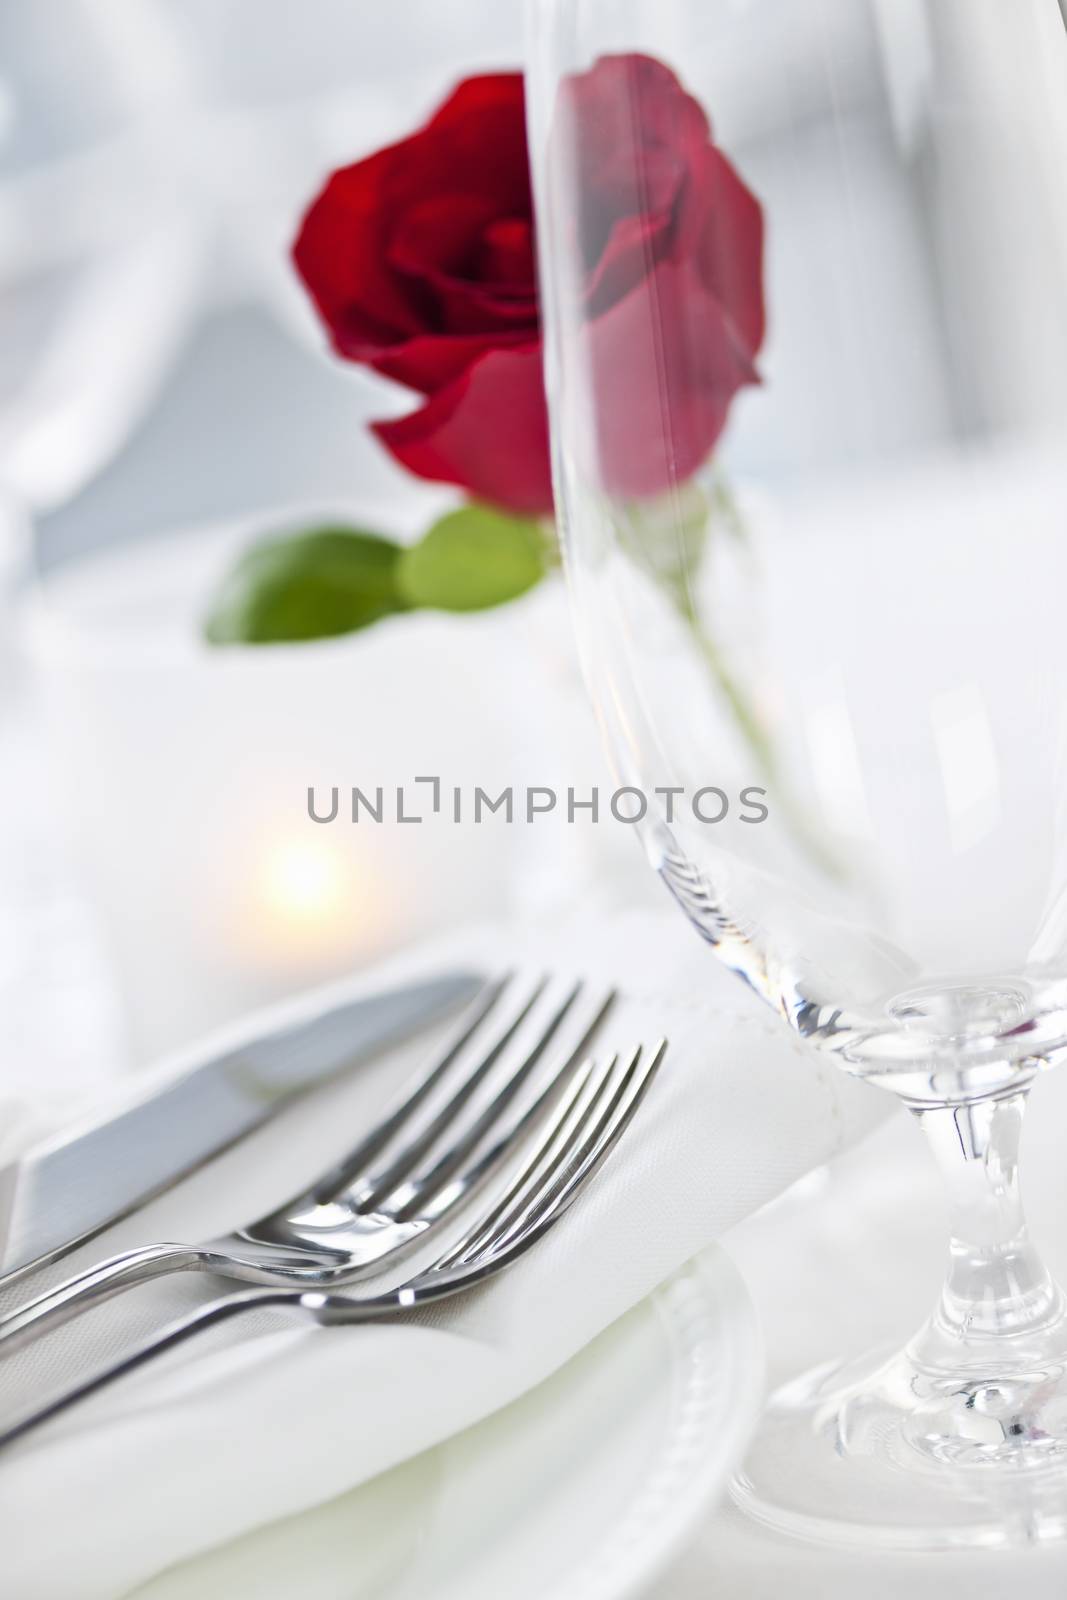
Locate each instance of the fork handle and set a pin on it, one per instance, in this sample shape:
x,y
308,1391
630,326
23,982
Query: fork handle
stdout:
x,y
176,1333
87,1289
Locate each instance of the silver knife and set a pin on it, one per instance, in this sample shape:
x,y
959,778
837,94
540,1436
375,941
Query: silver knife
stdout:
x,y
61,1193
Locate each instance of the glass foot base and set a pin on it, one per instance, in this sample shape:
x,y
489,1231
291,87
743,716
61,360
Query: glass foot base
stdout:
x,y
883,1453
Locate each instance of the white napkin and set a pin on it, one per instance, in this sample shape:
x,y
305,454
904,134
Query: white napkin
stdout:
x,y
268,1418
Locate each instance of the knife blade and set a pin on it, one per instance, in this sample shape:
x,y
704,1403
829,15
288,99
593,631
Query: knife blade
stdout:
x,y
63,1192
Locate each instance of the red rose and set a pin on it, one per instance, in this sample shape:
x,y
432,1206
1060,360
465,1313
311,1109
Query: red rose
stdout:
x,y
668,244
421,263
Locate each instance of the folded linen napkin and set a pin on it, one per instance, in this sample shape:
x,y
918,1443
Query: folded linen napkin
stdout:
x,y
263,1419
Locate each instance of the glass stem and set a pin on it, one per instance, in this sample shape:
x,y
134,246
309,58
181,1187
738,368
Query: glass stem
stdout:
x,y
997,1286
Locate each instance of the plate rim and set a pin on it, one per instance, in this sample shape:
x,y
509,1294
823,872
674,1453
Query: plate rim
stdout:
x,y
703,1306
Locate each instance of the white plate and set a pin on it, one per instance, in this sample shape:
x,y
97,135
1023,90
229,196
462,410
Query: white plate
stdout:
x,y
581,1490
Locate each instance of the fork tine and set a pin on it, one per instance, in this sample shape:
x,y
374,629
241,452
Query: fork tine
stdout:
x,y
419,1194
551,1204
551,1148
544,1192
574,1080
544,1166
410,1099
381,1186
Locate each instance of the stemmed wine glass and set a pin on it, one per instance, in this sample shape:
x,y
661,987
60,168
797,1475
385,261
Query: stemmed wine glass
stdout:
x,y
804,273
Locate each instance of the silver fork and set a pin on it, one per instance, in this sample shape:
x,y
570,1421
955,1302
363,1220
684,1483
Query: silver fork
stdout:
x,y
384,1195
584,1124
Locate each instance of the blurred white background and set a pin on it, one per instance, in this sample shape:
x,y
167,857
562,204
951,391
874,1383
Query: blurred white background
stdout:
x,y
160,369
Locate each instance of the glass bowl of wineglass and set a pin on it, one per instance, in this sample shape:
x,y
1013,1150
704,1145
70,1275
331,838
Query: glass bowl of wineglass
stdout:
x,y
803,276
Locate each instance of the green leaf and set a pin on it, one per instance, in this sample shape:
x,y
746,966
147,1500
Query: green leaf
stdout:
x,y
472,559
309,585
330,581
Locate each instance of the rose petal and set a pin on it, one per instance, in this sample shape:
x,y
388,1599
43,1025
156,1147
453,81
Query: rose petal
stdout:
x,y
506,257
433,360
477,139
340,255
487,432
478,136
438,246
630,132
440,235
477,308
634,246
663,367
722,223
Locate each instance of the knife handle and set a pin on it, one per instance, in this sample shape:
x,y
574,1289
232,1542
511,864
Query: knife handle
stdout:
x,y
90,1288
